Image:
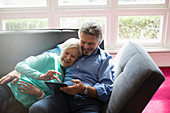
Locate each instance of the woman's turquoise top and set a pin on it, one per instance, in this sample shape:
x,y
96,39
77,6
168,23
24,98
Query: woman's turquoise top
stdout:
x,y
30,70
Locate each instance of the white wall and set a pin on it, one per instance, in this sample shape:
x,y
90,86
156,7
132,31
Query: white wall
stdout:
x,y
162,59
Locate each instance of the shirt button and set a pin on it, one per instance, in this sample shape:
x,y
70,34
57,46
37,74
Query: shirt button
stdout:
x,y
82,58
77,66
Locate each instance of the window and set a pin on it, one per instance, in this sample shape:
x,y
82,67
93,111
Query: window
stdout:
x,y
76,22
81,2
22,3
143,3
19,24
146,29
125,2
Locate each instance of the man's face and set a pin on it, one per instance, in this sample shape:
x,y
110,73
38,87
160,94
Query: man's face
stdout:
x,y
88,43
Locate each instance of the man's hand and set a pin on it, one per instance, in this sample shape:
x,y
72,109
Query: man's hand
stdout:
x,y
78,87
29,89
13,75
50,75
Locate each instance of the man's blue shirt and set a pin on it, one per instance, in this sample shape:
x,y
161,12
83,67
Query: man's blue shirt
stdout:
x,y
95,70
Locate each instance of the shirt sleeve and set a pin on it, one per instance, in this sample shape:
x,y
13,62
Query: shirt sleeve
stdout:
x,y
106,79
68,77
30,67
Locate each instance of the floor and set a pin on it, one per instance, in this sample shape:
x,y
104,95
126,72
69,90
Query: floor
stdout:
x,y
160,102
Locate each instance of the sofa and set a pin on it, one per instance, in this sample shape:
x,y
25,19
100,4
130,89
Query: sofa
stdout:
x,y
137,78
136,75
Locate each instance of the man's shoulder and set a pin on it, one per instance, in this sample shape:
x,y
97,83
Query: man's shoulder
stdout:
x,y
104,53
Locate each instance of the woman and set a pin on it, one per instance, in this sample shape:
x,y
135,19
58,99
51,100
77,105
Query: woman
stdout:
x,y
46,67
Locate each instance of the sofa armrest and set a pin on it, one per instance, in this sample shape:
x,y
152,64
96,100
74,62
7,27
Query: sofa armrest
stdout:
x,y
137,79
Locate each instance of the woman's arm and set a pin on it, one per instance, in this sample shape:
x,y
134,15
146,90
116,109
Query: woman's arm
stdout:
x,y
30,66
33,66
13,76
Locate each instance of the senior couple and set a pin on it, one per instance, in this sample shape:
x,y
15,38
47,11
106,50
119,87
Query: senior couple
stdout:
x,y
87,69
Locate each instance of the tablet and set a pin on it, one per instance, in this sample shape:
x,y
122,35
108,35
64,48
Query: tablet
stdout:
x,y
55,87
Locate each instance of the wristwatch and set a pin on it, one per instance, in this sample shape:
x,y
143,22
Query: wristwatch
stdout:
x,y
86,90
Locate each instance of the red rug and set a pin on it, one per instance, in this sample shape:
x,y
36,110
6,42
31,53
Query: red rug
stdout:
x,y
160,102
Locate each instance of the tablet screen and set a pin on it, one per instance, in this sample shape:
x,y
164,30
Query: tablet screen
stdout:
x,y
55,87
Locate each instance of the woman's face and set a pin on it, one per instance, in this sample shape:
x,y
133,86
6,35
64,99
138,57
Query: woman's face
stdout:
x,y
69,56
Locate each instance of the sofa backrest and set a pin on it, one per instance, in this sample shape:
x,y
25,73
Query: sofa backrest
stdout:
x,y
15,46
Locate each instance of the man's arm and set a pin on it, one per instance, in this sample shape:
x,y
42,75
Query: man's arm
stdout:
x,y
105,79
92,92
13,76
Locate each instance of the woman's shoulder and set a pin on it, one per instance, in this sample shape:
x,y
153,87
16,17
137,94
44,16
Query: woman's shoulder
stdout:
x,y
50,55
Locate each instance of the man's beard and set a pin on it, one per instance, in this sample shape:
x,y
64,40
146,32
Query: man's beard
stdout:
x,y
89,52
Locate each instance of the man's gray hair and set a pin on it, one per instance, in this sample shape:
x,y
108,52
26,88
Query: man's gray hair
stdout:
x,y
92,28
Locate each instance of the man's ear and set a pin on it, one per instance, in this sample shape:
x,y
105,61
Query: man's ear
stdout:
x,y
99,42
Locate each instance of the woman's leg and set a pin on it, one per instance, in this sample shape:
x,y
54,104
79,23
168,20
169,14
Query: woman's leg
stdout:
x,y
51,104
6,97
8,103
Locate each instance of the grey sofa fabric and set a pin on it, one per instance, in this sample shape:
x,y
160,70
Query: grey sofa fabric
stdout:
x,y
136,80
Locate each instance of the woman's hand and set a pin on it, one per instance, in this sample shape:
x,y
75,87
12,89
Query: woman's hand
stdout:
x,y
13,75
30,89
50,75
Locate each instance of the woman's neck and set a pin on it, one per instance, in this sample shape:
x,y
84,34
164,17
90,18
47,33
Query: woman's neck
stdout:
x,y
63,68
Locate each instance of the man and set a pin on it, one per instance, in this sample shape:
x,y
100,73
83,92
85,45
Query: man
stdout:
x,y
92,78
